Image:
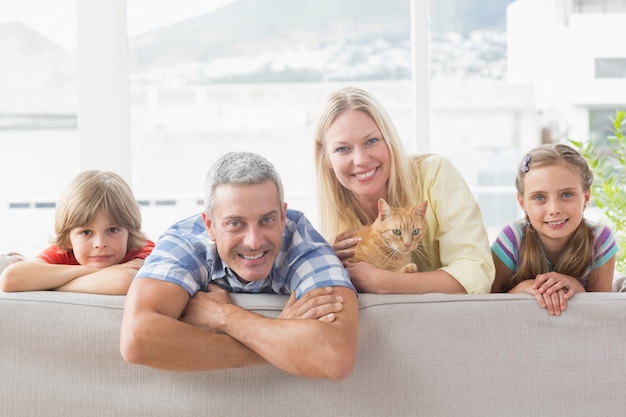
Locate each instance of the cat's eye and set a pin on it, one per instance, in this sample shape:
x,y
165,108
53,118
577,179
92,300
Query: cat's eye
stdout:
x,y
416,232
396,232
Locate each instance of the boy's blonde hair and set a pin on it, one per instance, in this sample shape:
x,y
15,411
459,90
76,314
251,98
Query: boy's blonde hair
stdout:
x,y
339,210
93,192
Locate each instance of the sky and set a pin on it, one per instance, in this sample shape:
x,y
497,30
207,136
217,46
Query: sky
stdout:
x,y
56,19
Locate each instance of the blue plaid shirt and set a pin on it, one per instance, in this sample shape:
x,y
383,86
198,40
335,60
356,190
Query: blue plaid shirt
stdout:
x,y
185,256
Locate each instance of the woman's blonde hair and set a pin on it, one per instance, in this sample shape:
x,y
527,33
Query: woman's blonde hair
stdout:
x,y
93,192
339,210
578,251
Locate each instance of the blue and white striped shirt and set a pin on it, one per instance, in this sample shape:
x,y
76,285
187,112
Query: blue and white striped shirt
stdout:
x,y
184,255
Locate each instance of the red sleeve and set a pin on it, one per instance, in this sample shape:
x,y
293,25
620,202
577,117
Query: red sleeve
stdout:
x,y
53,255
139,253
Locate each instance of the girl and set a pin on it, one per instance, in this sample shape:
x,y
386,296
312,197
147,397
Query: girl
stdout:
x,y
554,251
99,245
359,159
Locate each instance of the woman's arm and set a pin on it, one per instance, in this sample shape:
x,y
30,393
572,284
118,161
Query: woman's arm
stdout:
x,y
458,232
503,276
368,278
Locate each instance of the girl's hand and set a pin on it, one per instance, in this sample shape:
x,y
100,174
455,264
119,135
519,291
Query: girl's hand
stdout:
x,y
552,282
554,303
344,245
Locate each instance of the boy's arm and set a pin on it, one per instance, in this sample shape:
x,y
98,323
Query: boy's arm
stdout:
x,y
112,280
37,275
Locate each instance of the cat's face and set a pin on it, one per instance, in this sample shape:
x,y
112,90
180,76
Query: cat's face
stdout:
x,y
402,228
403,231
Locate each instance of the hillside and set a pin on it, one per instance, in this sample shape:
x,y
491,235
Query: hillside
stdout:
x,y
248,27
37,74
318,40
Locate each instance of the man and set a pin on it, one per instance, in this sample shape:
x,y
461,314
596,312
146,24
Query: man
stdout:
x,y
178,314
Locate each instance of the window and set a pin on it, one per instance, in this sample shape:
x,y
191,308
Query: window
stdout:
x,y
197,79
611,68
38,118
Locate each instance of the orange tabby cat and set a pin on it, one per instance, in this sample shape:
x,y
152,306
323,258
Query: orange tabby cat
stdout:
x,y
395,234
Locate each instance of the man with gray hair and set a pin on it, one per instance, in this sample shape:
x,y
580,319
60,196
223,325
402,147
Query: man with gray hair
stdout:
x,y
179,316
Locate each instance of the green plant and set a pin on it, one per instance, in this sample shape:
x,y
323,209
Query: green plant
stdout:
x,y
609,188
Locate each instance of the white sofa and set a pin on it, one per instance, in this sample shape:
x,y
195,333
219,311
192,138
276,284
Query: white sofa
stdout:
x,y
419,355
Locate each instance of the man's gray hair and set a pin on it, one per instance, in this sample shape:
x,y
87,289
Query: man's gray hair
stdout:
x,y
239,168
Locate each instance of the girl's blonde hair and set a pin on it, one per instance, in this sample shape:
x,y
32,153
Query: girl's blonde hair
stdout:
x,y
339,210
578,251
93,192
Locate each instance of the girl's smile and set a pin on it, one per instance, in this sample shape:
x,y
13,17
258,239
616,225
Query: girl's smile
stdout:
x,y
554,202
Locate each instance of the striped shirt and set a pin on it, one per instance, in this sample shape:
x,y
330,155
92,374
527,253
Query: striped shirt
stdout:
x,y
507,246
184,255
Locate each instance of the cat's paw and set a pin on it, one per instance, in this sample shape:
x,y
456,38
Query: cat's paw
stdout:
x,y
409,268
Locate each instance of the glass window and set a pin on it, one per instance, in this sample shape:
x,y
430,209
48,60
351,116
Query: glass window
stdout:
x,y
253,76
610,67
209,77
38,118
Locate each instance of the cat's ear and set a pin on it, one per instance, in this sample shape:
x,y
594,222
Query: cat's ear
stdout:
x,y
420,209
384,209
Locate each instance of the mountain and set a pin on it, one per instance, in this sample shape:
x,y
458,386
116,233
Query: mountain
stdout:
x,y
36,74
257,26
312,40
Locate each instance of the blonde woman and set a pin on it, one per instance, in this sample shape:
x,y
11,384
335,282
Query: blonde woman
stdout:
x,y
99,245
359,158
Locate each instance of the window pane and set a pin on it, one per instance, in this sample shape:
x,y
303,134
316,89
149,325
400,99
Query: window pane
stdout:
x,y
38,105
525,72
253,75
610,67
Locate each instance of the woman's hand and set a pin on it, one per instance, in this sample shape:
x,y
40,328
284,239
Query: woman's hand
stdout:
x,y
344,245
364,276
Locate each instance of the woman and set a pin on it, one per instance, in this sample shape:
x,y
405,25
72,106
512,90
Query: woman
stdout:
x,y
359,159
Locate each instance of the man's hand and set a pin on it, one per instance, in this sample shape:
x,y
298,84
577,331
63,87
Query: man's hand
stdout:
x,y
204,309
320,304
